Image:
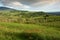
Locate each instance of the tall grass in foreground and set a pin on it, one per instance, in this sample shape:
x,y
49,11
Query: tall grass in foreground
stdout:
x,y
15,31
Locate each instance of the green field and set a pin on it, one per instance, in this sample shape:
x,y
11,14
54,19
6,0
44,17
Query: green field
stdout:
x,y
15,25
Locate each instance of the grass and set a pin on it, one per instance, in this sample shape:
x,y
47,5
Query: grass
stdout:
x,y
16,25
15,31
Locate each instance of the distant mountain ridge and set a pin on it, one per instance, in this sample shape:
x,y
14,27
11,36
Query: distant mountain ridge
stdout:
x,y
6,8
54,13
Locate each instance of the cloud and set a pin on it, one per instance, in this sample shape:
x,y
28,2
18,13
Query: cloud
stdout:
x,y
47,5
33,4
15,4
44,3
18,4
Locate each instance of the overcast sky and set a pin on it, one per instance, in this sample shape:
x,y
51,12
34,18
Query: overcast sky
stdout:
x,y
38,5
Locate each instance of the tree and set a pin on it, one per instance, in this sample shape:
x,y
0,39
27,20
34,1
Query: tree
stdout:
x,y
45,17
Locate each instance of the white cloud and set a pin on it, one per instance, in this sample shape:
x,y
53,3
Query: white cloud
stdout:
x,y
44,3
17,5
20,5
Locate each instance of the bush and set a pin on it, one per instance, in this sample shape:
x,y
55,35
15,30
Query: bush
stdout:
x,y
30,36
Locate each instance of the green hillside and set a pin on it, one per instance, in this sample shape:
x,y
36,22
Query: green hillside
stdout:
x,y
25,25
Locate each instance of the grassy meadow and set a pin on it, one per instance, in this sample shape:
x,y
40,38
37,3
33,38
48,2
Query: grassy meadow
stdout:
x,y
24,25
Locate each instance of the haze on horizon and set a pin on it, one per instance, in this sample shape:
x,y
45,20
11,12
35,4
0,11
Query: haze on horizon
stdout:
x,y
32,5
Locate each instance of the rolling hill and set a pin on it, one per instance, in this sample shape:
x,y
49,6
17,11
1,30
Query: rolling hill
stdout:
x,y
6,8
25,25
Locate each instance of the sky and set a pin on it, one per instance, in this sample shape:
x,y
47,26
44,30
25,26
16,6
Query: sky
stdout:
x,y
32,5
